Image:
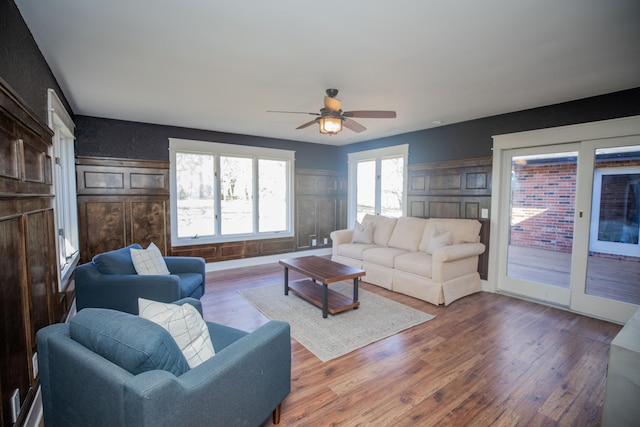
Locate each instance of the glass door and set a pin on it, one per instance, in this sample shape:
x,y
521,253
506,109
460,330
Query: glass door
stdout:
x,y
538,223
569,225
608,284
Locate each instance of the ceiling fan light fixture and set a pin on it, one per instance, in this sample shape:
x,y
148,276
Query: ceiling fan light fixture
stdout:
x,y
330,125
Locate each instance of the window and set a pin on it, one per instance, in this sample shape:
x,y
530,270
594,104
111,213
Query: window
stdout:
x,y
226,192
377,182
64,182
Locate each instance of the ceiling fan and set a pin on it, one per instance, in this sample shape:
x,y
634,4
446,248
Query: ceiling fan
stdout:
x,y
331,118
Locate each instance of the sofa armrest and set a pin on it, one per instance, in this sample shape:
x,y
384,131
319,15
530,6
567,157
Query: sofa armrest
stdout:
x,y
338,237
456,252
240,385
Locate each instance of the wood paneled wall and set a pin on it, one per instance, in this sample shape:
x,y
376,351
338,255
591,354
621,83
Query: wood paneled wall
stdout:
x,y
29,297
121,202
321,207
453,189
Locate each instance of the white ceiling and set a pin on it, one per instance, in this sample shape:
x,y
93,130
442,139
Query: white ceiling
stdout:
x,y
220,65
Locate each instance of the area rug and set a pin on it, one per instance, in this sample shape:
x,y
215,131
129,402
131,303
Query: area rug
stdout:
x,y
377,318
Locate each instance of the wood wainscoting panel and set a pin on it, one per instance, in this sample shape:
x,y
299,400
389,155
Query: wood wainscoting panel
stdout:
x,y
29,296
321,207
453,189
120,202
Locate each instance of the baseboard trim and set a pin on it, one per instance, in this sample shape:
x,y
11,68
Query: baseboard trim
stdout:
x,y
248,262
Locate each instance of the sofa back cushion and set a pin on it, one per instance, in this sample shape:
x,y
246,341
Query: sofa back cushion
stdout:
x,y
407,233
131,342
117,261
383,227
462,230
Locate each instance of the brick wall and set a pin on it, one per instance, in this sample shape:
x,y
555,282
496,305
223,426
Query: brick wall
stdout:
x,y
543,200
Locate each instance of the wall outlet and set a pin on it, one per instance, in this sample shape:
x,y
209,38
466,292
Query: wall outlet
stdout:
x,y
34,360
314,242
326,240
15,405
484,213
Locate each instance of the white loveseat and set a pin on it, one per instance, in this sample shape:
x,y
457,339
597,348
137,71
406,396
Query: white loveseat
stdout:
x,y
435,259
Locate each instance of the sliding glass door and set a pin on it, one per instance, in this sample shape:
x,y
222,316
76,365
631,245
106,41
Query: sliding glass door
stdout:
x,y
568,219
541,193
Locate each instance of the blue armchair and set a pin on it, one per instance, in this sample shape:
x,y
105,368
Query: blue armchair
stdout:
x,y
110,281
110,368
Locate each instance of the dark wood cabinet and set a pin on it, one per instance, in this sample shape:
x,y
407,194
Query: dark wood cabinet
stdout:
x,y
29,297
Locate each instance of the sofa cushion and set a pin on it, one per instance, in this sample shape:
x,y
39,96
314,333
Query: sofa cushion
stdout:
x,y
186,326
418,263
362,233
439,240
117,261
354,250
131,342
462,230
384,257
149,261
407,233
383,229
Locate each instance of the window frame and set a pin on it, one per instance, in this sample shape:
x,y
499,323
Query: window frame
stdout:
x,y
217,149
376,155
64,187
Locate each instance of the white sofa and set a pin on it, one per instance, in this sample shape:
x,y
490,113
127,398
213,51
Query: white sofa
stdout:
x,y
435,259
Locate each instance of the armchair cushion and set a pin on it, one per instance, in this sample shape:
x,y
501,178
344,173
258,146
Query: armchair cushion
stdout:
x,y
131,342
186,326
116,262
149,261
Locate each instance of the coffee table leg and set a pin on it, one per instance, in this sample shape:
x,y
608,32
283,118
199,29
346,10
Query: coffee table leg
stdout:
x,y
355,290
325,300
286,280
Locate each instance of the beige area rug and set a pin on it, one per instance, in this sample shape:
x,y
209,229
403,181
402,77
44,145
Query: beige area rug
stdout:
x,y
339,334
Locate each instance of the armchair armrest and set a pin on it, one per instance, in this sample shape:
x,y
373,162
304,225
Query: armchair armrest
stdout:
x,y
121,292
250,377
183,264
338,237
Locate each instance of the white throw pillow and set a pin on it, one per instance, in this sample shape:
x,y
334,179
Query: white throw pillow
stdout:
x,y
149,261
186,326
363,233
439,240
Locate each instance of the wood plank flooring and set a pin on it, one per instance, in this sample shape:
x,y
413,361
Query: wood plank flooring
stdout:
x,y
485,360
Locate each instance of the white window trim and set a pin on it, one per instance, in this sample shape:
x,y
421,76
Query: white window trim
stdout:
x,y
221,149
375,154
603,246
66,207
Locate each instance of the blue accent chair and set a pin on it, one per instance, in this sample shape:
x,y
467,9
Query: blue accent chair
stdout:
x,y
110,368
110,281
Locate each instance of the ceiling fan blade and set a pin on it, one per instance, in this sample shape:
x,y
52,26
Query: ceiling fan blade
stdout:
x,y
293,112
306,125
332,104
371,114
353,125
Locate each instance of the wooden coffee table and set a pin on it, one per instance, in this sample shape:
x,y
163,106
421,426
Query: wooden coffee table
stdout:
x,y
322,272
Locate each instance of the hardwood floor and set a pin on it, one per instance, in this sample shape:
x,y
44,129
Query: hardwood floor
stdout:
x,y
485,360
